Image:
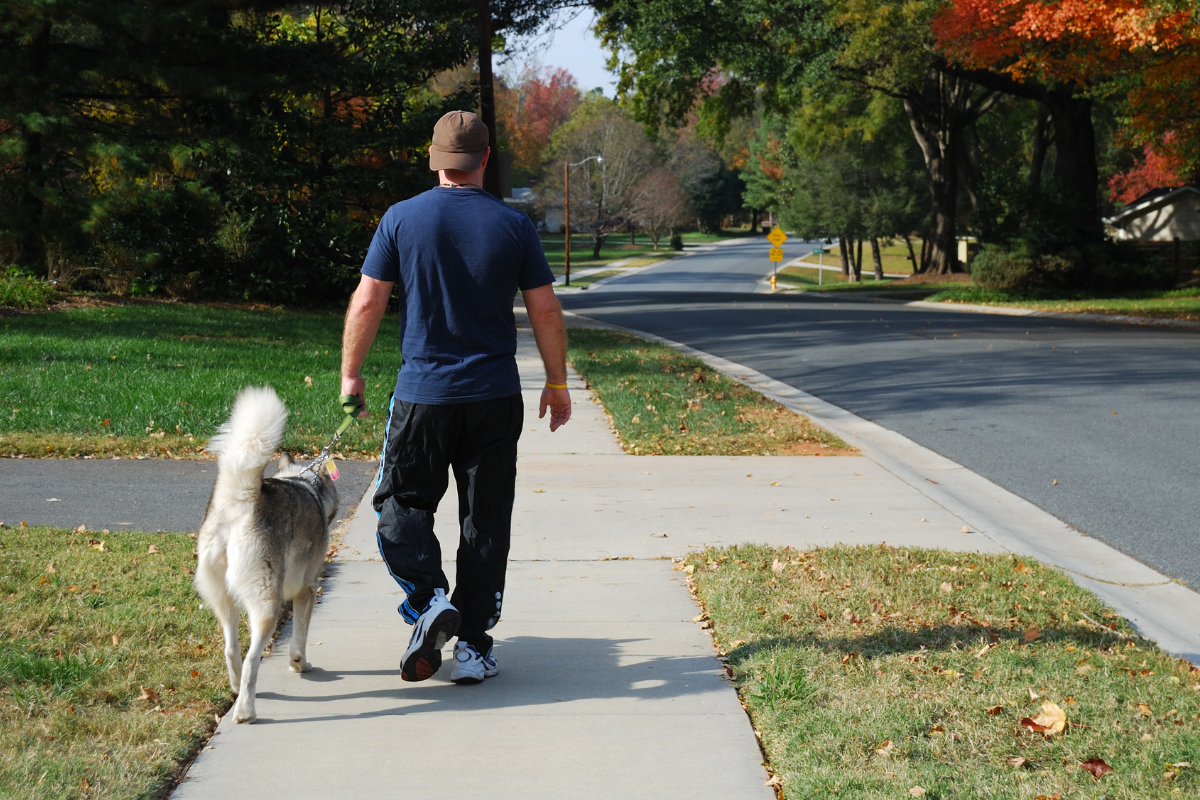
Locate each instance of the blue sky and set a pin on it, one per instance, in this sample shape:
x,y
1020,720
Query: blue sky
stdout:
x,y
575,49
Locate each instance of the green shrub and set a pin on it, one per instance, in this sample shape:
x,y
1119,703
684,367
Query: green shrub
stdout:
x,y
676,241
1019,269
18,290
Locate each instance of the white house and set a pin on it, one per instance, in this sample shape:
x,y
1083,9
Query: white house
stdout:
x,y
1162,215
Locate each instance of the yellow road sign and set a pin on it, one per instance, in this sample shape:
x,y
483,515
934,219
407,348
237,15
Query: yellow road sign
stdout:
x,y
777,254
776,237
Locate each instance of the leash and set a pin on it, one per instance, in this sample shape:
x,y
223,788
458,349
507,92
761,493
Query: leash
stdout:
x,y
350,407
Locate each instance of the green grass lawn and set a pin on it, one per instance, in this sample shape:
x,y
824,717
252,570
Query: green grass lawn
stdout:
x,y
665,403
894,255
615,248
110,673
877,672
1167,304
158,378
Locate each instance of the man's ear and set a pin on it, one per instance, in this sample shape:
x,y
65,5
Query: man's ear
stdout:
x,y
486,155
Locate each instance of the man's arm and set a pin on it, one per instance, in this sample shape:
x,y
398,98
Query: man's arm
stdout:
x,y
367,307
550,331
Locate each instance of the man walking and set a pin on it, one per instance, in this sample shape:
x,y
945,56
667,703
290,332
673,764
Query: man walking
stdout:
x,y
458,256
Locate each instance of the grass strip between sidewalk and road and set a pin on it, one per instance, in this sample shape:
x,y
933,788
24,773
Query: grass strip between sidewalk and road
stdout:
x,y
1181,304
156,379
664,403
110,672
881,672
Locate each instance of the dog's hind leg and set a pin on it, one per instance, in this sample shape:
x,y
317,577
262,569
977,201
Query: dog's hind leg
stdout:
x,y
263,616
302,608
210,583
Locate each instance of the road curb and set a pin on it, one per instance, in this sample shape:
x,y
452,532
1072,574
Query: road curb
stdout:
x,y
1157,606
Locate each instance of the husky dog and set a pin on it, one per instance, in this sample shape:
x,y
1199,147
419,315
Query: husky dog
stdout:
x,y
262,541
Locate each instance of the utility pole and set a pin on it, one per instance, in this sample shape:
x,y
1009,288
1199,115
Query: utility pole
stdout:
x,y
567,218
487,95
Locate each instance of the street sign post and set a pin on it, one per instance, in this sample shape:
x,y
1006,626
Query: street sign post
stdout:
x,y
776,237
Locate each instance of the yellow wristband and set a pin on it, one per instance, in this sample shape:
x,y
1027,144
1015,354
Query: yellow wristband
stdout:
x,y
555,385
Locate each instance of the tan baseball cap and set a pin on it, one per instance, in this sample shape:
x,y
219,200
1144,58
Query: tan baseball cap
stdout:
x,y
460,140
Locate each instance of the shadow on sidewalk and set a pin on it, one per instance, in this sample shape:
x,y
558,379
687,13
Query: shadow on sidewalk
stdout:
x,y
535,672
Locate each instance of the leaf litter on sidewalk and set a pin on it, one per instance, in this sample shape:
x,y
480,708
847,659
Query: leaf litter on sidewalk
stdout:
x,y
867,679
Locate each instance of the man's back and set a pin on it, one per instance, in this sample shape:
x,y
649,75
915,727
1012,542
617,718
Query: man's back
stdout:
x,y
458,257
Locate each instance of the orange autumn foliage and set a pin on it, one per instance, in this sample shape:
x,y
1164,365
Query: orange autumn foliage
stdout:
x,y
1150,48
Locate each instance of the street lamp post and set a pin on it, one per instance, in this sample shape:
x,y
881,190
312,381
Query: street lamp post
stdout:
x,y
567,213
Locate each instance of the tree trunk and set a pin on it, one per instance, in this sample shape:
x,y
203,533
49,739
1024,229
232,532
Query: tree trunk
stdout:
x,y
858,263
938,114
970,173
911,255
597,243
1076,172
844,250
878,257
487,95
32,202
1041,142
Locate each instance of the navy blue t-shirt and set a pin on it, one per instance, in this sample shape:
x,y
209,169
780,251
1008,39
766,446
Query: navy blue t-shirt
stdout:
x,y
458,257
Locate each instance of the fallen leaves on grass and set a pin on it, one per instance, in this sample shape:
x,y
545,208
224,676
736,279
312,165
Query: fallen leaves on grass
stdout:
x,y
1145,710
154,549
1096,766
917,791
1049,722
1018,762
97,545
885,748
148,694
994,710
1031,634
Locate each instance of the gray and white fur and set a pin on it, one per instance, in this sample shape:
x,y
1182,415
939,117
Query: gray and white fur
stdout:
x,y
262,541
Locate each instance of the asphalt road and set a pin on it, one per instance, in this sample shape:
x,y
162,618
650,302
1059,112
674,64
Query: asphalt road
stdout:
x,y
1022,401
127,494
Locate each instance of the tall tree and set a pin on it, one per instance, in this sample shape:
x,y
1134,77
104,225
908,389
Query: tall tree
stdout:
x,y
602,190
533,105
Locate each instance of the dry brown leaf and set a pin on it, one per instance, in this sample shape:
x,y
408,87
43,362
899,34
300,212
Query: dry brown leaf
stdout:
x,y
538,491
1033,695
1031,634
947,586
994,710
964,529
148,694
774,780
98,546
1020,567
700,617
195,673
884,748
81,529
1096,766
917,791
116,640
820,613
1049,722
154,549
1018,762
1055,796
659,535
1144,710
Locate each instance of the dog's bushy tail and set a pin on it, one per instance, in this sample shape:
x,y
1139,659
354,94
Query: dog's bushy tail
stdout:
x,y
248,440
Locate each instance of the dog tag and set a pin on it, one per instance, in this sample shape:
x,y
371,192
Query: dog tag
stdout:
x,y
333,471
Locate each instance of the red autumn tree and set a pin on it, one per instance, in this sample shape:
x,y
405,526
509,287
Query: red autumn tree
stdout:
x,y
1155,171
529,111
1148,49
1059,52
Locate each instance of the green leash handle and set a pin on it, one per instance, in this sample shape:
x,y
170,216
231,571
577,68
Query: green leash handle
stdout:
x,y
351,406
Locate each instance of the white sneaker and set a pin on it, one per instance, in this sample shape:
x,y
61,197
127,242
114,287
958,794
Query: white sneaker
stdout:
x,y
470,667
437,625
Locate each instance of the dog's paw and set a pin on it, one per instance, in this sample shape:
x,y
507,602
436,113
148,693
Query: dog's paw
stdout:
x,y
299,665
243,715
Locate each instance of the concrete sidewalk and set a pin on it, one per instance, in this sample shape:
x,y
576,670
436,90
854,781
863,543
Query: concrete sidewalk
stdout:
x,y
607,688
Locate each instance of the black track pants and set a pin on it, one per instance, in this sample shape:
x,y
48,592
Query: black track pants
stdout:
x,y
479,441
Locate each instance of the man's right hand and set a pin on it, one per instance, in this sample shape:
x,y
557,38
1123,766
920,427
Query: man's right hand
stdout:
x,y
356,386
559,403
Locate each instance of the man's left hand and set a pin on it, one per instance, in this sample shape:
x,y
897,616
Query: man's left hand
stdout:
x,y
356,386
559,403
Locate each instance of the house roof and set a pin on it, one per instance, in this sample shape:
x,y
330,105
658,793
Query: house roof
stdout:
x,y
1149,200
